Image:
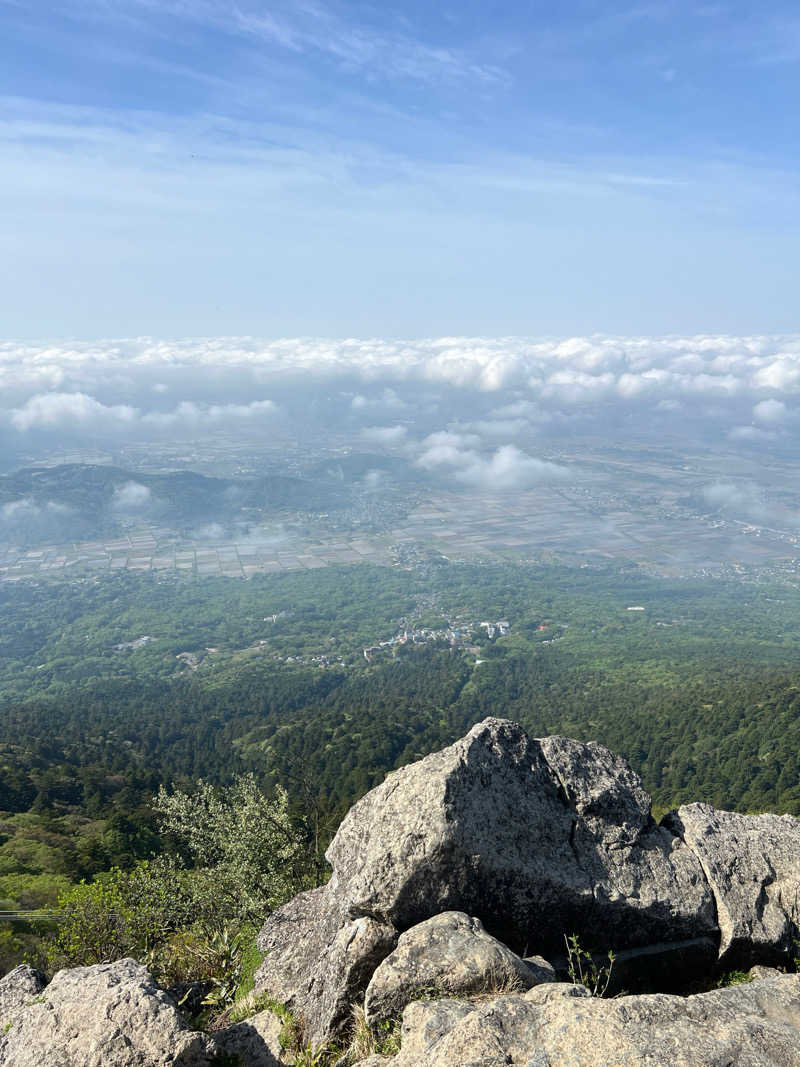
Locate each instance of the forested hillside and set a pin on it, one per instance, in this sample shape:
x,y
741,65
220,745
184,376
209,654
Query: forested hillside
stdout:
x,y
697,683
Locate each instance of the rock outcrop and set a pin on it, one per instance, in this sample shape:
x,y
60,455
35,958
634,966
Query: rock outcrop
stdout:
x,y
488,827
755,1025
752,863
536,838
450,954
110,1015
450,877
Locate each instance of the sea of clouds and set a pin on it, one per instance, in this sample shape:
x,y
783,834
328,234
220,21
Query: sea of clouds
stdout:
x,y
471,409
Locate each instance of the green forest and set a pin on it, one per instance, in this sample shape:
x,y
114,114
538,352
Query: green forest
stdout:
x,y
695,682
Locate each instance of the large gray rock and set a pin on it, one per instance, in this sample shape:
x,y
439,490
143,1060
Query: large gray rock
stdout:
x,y
752,863
495,827
756,1025
538,839
535,838
110,1015
450,954
17,989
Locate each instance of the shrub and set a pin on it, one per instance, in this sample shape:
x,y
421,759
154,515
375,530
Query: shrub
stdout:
x,y
121,913
96,924
251,849
734,978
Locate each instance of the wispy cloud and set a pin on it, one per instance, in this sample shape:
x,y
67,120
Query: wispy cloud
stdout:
x,y
337,168
336,33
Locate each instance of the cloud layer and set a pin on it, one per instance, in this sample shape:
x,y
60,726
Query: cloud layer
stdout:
x,y
470,410
518,378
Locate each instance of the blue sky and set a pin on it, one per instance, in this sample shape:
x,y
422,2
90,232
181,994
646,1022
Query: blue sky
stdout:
x,y
203,167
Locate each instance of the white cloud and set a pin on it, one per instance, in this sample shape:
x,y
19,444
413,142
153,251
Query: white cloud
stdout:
x,y
386,399
190,413
781,373
447,449
488,384
212,531
727,495
78,409
132,496
509,468
26,509
770,411
744,500
19,519
750,433
450,437
58,409
500,428
384,435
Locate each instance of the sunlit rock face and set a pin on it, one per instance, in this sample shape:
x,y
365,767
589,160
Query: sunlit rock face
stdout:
x,y
535,838
559,1025
109,1015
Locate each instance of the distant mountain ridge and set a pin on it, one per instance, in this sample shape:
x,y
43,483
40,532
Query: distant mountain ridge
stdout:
x,y
76,501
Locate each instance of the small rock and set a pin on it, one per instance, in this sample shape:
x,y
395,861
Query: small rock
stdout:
x,y
256,1041
450,954
542,969
759,971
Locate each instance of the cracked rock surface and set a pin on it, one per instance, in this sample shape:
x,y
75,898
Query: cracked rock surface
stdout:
x,y
450,953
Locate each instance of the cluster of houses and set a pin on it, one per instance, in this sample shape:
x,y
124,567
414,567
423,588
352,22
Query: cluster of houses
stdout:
x,y
455,636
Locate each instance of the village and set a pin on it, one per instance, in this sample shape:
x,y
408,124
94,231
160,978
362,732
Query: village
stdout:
x,y
454,634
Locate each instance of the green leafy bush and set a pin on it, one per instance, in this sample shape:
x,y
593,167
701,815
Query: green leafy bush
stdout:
x,y
191,924
253,852
122,913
